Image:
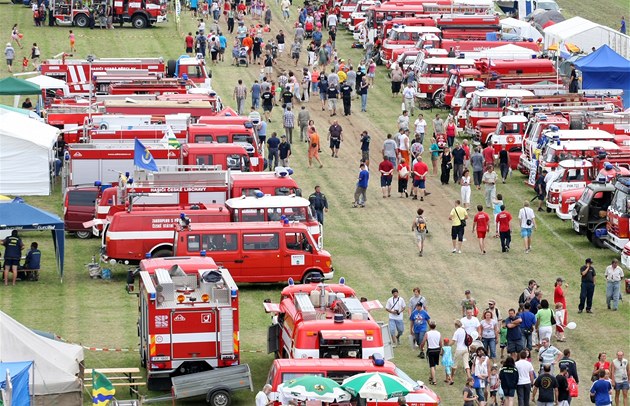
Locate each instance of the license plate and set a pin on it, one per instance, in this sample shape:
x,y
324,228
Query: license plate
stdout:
x,y
576,226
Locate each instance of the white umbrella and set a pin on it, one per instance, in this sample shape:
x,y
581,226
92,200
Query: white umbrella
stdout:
x,y
376,385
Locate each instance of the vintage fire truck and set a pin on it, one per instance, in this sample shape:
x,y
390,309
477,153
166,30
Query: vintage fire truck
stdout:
x,y
569,175
489,103
141,14
189,318
610,167
404,36
319,320
432,75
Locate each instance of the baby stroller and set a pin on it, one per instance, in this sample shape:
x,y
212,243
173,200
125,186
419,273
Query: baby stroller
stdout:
x,y
441,140
308,30
242,59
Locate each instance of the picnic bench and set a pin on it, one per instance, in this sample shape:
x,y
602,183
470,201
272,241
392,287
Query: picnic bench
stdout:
x,y
119,377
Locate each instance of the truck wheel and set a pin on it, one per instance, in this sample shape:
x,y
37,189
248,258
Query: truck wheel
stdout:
x,y
310,274
81,20
84,235
592,237
548,209
139,21
219,398
163,253
438,99
171,67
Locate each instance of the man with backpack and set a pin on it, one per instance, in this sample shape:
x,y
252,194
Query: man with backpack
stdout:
x,y
529,292
419,226
462,340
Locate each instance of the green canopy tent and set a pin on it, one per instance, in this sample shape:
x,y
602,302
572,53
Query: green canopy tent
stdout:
x,y
12,86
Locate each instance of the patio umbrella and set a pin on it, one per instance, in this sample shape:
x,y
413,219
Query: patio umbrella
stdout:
x,y
376,385
312,387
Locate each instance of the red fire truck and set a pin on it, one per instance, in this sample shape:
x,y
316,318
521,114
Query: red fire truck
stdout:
x,y
319,320
80,73
189,318
432,75
404,36
140,14
128,236
618,216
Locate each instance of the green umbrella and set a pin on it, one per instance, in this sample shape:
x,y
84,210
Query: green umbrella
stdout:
x,y
312,387
376,385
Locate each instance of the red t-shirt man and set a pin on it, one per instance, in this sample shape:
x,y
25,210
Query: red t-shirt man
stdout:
x,y
503,219
190,41
385,167
488,156
482,220
420,170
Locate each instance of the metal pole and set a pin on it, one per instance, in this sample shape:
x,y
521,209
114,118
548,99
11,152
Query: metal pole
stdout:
x,y
90,59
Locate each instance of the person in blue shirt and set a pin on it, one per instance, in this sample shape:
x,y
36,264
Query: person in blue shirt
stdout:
x,y
223,43
274,157
256,92
32,261
13,247
602,389
419,324
360,195
528,321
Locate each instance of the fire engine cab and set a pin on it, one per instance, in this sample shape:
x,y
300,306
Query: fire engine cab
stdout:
x,y
189,318
318,320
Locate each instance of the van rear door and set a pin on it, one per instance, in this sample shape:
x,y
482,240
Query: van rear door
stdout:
x,y
80,207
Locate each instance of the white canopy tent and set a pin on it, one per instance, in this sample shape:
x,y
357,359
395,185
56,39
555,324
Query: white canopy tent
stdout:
x,y
57,366
47,82
520,28
26,154
586,34
509,51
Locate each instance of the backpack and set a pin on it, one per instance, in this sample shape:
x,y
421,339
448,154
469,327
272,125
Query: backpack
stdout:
x,y
421,224
468,340
573,387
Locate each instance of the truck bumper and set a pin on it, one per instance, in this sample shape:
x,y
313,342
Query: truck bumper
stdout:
x,y
615,243
563,216
330,275
625,261
161,19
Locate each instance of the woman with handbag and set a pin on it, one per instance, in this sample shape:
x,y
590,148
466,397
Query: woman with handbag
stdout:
x,y
403,177
447,165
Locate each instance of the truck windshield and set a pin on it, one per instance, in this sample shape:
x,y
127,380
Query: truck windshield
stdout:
x,y
620,202
402,375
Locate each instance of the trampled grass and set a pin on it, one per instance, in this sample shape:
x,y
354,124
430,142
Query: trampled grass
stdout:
x,y
372,247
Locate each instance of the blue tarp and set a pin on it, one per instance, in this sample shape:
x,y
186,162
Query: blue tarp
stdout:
x,y
21,216
20,379
606,69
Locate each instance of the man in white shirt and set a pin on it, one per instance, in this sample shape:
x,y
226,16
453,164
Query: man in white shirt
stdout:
x,y
332,20
396,308
470,323
421,125
409,94
528,223
461,349
613,275
525,378
262,397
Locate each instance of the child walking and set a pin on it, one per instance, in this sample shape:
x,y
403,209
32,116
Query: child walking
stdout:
x,y
560,316
72,39
494,383
447,361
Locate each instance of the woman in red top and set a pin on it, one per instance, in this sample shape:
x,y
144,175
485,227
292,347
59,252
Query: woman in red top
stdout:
x,y
600,364
558,297
450,132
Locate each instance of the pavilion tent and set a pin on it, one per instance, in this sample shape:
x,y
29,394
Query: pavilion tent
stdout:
x,y
16,87
522,29
26,155
17,376
57,366
48,82
586,35
508,51
606,69
21,216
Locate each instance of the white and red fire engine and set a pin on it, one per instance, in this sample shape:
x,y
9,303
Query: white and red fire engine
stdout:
x,y
141,14
189,318
317,320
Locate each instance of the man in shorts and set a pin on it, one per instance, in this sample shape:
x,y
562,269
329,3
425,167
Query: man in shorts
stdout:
x,y
267,103
619,371
418,328
481,223
13,247
395,307
335,136
420,171
419,226
386,168
461,356
528,223
514,335
458,216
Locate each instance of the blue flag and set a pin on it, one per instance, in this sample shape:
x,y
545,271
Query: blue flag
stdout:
x,y
142,158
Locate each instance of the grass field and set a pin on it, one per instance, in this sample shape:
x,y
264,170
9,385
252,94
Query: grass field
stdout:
x,y
372,247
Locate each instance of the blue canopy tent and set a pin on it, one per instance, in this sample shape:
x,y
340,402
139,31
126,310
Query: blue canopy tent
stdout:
x,y
606,69
19,374
21,216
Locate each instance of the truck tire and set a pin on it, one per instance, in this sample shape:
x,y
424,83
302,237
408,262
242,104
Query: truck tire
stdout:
x,y
171,67
81,20
597,242
139,21
438,99
84,235
310,274
162,253
219,398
